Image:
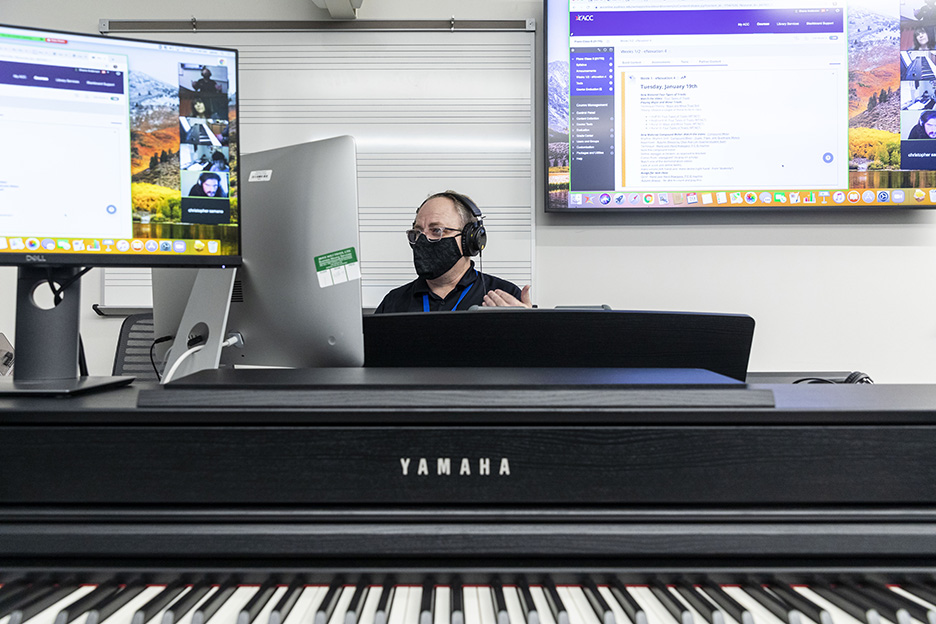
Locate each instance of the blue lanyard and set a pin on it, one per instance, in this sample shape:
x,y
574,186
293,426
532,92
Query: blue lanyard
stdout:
x,y
464,292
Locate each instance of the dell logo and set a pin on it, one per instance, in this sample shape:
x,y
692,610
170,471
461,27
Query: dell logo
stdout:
x,y
584,18
35,258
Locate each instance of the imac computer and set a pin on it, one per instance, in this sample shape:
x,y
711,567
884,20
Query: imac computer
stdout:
x,y
296,299
113,152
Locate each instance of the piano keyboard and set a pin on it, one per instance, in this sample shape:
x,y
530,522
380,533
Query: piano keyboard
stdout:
x,y
70,601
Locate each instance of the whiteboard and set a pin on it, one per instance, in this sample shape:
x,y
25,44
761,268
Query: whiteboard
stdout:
x,y
429,111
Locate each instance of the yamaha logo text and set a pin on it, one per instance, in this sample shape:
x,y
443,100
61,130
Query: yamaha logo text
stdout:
x,y
446,467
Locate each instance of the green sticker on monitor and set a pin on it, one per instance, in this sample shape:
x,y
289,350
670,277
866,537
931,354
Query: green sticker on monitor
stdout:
x,y
337,267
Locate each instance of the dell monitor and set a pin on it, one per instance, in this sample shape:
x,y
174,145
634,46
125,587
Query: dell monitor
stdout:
x,y
296,300
113,152
748,106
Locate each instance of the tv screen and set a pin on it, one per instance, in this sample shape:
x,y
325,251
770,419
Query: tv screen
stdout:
x,y
742,105
116,151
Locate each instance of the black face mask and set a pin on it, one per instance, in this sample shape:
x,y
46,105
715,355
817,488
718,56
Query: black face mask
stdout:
x,y
433,260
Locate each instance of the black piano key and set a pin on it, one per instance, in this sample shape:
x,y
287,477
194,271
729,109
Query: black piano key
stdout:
x,y
88,601
886,609
860,613
327,608
427,602
110,605
286,602
357,602
783,611
679,612
207,610
800,602
892,604
500,603
256,603
556,606
900,603
630,606
598,604
386,600
530,615
926,594
145,613
456,603
12,588
41,602
726,603
185,603
706,610
23,596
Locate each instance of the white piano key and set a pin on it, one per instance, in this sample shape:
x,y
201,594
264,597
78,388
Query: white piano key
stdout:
x,y
124,614
838,616
620,616
514,609
470,604
308,603
264,616
443,605
577,615
694,615
338,615
413,605
227,613
48,615
486,605
930,607
158,617
369,608
656,612
187,618
397,613
756,609
542,607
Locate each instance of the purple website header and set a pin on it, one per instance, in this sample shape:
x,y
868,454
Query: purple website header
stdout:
x,y
724,22
54,77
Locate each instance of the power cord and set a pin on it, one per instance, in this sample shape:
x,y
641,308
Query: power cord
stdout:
x,y
152,354
231,340
855,377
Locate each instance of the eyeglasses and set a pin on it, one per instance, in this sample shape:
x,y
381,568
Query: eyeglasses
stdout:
x,y
433,234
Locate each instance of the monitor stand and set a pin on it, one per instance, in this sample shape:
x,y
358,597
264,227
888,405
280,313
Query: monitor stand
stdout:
x,y
46,345
203,322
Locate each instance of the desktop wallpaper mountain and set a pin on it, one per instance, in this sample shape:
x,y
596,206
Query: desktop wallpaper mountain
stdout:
x,y
873,98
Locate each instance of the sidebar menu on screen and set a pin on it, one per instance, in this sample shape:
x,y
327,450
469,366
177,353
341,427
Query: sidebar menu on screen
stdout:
x,y
591,127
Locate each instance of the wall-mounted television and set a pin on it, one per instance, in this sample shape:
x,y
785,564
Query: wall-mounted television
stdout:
x,y
740,105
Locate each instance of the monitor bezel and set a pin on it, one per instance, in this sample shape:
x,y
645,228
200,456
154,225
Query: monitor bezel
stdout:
x,y
135,259
742,212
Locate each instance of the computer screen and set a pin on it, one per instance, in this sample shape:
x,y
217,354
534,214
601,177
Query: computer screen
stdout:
x,y
296,299
113,152
116,151
744,105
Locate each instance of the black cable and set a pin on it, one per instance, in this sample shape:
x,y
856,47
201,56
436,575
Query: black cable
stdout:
x,y
152,354
57,299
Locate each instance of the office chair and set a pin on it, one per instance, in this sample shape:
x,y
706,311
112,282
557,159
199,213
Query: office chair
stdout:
x,y
133,348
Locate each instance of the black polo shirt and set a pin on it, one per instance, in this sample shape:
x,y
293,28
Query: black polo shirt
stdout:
x,y
469,291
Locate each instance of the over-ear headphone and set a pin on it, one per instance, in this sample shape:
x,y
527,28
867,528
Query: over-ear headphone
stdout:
x,y
474,236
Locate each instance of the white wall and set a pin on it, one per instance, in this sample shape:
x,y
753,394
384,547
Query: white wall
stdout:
x,y
827,292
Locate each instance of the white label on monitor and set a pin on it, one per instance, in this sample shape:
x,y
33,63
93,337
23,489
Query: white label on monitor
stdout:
x,y
261,175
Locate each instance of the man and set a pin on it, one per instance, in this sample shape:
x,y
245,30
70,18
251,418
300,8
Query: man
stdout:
x,y
446,232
